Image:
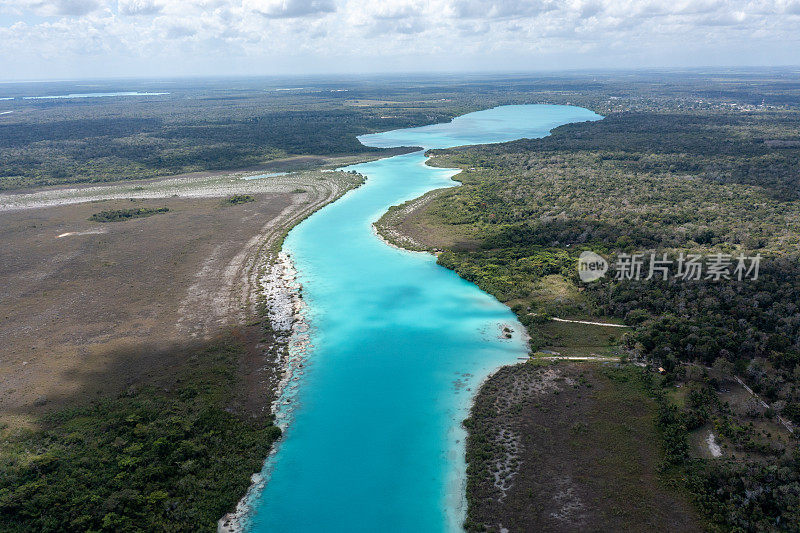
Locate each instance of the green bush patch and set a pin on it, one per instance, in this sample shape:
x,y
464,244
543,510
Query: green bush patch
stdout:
x,y
118,215
240,199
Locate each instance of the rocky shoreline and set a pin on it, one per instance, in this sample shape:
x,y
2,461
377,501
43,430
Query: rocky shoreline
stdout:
x,y
276,296
282,304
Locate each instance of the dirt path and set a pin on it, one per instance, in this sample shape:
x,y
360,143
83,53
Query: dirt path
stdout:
x,y
764,404
590,323
580,358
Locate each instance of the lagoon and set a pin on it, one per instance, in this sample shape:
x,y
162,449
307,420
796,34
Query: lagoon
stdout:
x,y
374,440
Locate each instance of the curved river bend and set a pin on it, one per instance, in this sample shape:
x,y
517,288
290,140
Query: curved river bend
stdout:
x,y
375,441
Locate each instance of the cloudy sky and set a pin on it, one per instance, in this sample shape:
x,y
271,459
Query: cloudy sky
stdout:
x,y
97,38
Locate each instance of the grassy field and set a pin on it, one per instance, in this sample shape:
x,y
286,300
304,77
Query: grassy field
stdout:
x,y
87,297
569,446
579,340
82,293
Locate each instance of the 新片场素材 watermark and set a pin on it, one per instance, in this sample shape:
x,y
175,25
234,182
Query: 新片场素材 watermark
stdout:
x,y
686,266
591,266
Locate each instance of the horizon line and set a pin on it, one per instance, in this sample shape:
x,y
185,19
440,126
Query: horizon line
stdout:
x,y
421,73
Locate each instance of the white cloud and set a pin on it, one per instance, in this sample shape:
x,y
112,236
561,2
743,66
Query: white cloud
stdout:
x,y
290,8
481,9
178,31
724,19
202,36
70,8
139,7
791,7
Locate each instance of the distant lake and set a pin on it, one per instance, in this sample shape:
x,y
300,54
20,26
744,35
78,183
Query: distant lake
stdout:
x,y
374,441
90,95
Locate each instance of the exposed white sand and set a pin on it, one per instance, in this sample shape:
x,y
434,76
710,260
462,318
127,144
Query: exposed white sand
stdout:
x,y
713,447
87,232
285,310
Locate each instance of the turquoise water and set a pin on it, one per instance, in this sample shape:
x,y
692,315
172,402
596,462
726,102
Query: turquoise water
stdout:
x,y
400,345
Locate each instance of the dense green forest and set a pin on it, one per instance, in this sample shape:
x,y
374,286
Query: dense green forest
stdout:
x,y
239,123
667,180
151,459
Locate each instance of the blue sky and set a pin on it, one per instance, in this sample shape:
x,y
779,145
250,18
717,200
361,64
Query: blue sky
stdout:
x,y
98,38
